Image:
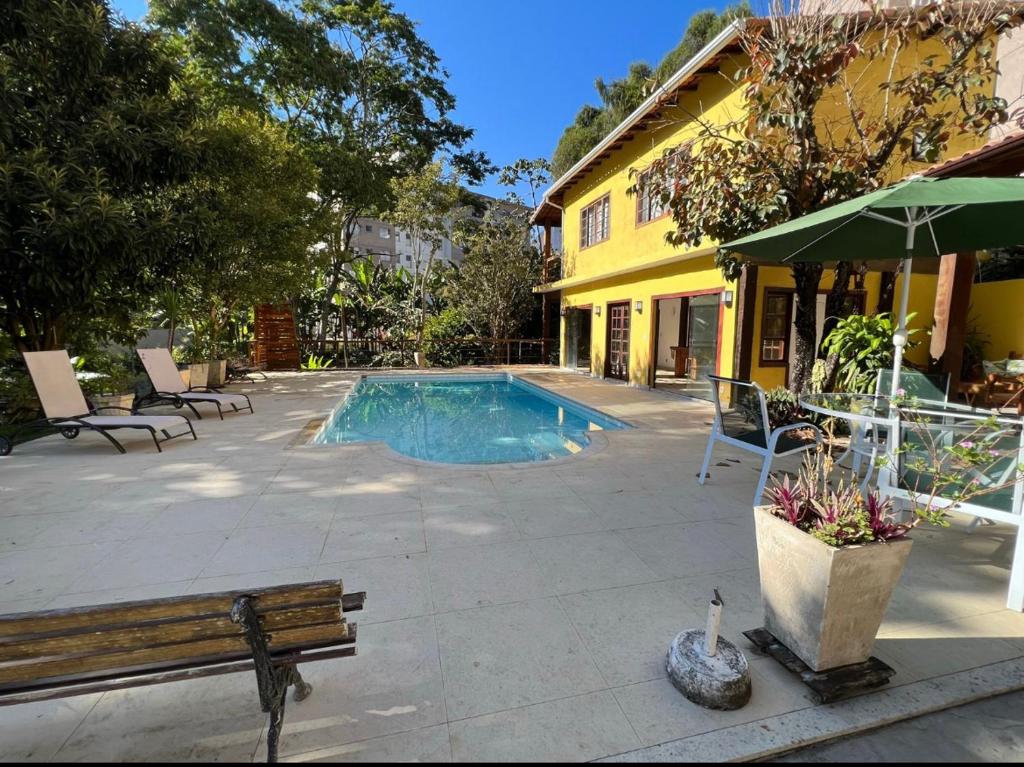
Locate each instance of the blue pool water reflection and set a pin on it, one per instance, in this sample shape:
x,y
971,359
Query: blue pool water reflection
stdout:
x,y
452,419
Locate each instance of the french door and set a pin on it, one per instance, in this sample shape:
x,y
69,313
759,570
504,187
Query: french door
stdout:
x,y
617,365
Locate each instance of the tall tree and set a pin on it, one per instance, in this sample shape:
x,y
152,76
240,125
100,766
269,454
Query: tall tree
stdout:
x,y
252,221
355,85
836,105
93,127
500,268
426,202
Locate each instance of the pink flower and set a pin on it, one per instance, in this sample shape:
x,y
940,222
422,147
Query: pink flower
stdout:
x,y
967,444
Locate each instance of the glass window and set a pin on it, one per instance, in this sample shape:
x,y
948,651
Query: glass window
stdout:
x,y
649,205
594,222
775,326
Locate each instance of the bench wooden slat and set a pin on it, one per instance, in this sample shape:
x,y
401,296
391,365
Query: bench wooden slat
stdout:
x,y
170,608
63,689
155,634
203,651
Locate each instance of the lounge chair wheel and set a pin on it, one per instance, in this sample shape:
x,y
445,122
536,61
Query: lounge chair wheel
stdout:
x,y
178,404
69,432
6,446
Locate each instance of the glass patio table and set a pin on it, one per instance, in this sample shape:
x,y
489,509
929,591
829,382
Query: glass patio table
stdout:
x,y
873,414
876,410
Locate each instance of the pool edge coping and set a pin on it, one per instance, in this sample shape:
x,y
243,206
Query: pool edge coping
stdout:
x,y
597,441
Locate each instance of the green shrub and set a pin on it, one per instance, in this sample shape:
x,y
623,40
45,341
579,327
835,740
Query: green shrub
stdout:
x,y
449,324
863,344
783,407
18,400
315,362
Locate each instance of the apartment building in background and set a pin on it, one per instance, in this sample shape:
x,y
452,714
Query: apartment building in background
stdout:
x,y
388,245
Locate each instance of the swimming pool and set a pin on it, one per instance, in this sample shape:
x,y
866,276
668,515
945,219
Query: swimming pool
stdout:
x,y
463,419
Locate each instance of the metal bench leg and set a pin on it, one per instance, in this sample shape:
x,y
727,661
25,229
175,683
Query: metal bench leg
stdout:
x,y
274,728
303,689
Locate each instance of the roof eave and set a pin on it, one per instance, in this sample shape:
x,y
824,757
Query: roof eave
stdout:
x,y
712,49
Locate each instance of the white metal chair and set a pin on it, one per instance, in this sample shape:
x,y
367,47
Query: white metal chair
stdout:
x,y
758,438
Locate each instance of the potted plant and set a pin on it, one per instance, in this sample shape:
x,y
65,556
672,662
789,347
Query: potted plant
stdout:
x,y
113,387
197,372
830,556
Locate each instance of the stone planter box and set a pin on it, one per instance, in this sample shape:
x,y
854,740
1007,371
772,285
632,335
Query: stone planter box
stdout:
x,y
186,375
198,374
218,373
113,400
824,603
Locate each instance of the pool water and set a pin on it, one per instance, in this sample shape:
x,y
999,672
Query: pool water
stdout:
x,y
451,419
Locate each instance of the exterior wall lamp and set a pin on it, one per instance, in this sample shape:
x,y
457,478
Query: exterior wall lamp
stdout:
x,y
639,306
597,310
727,297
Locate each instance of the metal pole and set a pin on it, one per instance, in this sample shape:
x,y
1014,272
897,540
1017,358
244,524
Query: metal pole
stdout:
x,y
900,337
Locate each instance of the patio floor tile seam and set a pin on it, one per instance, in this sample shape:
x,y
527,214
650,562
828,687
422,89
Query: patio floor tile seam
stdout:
x,y
325,751
76,728
597,665
775,735
441,674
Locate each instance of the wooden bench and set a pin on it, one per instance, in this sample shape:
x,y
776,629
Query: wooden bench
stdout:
x,y
61,653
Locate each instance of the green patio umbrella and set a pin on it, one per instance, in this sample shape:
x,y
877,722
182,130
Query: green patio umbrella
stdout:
x,y
918,217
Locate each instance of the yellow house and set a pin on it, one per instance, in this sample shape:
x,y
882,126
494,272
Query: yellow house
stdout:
x,y
632,307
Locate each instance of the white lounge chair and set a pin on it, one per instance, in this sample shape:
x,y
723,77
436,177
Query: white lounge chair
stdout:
x,y
169,388
758,438
67,411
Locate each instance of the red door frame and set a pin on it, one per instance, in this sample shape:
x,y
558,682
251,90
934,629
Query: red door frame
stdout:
x,y
652,368
628,303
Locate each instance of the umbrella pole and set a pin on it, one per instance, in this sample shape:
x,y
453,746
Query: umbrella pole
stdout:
x,y
900,336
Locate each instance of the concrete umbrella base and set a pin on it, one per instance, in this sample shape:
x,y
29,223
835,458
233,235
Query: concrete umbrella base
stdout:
x,y
720,681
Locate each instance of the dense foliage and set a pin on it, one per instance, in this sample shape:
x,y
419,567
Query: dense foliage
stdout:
x,y
501,266
251,222
94,128
355,86
863,345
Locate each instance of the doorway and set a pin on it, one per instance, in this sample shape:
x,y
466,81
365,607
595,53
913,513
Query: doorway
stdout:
x,y
577,338
617,363
686,343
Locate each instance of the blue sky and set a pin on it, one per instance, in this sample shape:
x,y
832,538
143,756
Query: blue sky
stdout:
x,y
520,69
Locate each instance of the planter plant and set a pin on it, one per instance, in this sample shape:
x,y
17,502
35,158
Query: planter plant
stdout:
x,y
830,559
830,556
113,388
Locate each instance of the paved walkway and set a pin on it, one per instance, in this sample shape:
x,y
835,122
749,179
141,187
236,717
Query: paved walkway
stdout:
x,y
512,613
988,731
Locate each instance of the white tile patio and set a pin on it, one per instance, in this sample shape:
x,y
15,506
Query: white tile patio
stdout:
x,y
513,613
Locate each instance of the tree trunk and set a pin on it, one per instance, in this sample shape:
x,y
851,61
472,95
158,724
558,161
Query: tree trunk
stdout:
x,y
328,302
835,305
806,277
